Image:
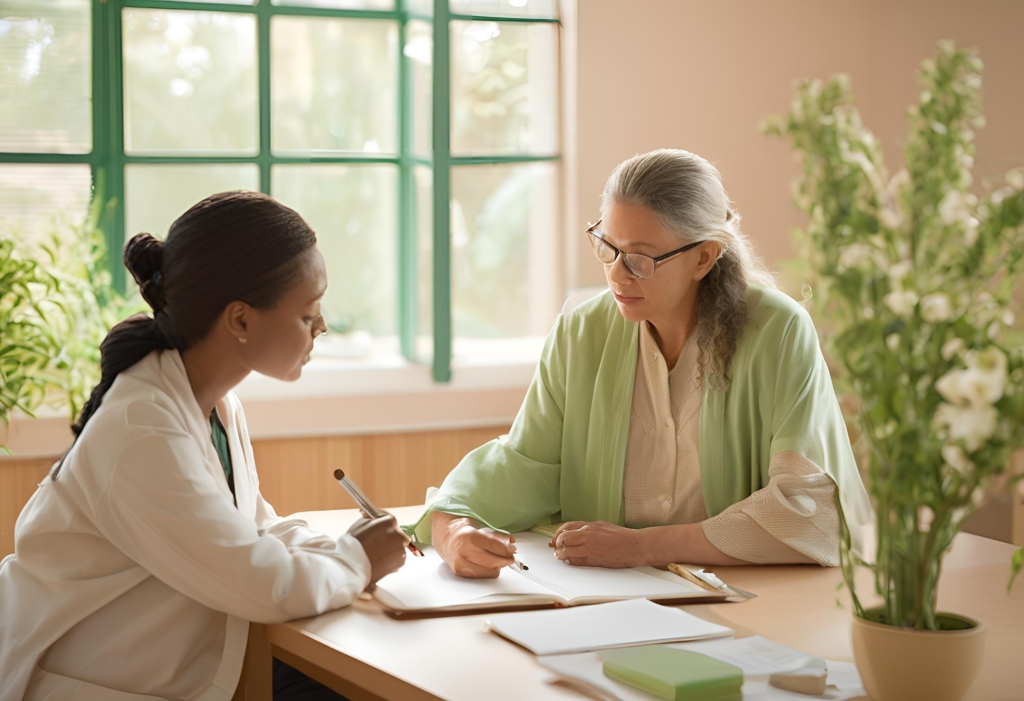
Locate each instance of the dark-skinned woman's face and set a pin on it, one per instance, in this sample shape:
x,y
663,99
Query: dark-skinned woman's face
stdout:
x,y
280,338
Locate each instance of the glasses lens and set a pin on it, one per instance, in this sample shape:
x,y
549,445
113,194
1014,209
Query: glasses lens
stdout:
x,y
604,252
640,265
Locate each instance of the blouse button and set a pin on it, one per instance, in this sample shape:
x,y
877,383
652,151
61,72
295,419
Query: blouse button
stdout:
x,y
655,356
668,423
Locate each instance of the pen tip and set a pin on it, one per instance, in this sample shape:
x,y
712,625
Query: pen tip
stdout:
x,y
339,474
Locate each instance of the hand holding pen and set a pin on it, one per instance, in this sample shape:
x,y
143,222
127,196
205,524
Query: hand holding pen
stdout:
x,y
470,549
367,507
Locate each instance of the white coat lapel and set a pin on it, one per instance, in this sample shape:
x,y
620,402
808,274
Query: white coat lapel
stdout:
x,y
177,384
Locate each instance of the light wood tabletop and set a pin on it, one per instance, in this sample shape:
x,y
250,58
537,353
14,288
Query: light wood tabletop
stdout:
x,y
364,654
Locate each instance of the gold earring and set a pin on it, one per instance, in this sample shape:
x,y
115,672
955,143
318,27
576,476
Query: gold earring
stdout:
x,y
242,340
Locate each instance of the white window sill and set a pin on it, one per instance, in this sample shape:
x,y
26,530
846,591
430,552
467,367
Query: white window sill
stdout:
x,y
381,392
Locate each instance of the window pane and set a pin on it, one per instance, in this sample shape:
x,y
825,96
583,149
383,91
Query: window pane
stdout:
x,y
505,271
419,51
156,195
504,88
341,4
424,178
190,82
334,85
37,199
506,8
45,65
420,7
353,210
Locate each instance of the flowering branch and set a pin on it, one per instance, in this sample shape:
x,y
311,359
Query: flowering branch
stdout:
x,y
913,277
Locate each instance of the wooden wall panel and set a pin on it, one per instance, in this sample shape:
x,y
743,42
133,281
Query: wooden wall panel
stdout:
x,y
18,480
296,474
393,469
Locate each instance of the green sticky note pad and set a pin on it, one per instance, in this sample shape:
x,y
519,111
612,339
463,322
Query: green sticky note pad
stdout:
x,y
674,674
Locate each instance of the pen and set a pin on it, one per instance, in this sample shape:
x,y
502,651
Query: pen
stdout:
x,y
366,506
516,562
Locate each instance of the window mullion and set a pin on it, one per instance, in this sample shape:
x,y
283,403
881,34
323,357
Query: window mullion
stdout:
x,y
407,268
442,370
108,130
264,14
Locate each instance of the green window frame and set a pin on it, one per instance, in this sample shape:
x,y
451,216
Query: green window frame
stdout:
x,y
108,159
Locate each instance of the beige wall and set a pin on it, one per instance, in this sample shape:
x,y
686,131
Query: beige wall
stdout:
x,y
701,75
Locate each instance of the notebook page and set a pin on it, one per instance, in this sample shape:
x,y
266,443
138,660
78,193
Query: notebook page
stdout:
x,y
582,583
428,583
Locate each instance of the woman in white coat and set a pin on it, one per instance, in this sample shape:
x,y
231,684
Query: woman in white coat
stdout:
x,y
142,557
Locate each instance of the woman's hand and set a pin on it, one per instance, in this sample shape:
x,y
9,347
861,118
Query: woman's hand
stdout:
x,y
473,552
598,544
384,543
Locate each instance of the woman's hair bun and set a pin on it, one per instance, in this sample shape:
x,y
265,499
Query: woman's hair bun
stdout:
x,y
144,258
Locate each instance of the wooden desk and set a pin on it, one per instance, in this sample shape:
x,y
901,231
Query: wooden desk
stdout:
x,y
364,654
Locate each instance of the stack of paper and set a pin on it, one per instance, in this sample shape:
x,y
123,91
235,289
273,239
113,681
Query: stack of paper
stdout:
x,y
618,624
758,657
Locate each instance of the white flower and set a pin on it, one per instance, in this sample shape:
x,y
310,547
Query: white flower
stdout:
x,y
892,341
899,270
956,458
971,232
952,347
1015,178
993,330
868,312
972,425
1001,194
956,206
1008,317
978,386
854,255
936,307
902,303
890,217
993,365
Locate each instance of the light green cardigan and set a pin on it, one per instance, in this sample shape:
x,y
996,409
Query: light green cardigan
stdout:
x,y
564,457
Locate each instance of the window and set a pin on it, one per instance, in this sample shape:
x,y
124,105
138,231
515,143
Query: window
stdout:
x,y
419,138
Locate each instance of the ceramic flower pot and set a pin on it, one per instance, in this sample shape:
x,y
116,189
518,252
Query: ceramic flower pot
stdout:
x,y
897,664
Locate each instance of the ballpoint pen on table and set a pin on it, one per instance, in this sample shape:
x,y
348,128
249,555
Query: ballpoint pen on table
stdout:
x,y
367,506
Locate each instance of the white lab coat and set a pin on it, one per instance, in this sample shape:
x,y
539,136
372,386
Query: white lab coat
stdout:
x,y
135,575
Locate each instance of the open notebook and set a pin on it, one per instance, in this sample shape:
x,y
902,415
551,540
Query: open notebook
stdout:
x,y
427,586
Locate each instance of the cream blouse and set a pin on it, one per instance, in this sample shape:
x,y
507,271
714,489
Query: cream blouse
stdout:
x,y
793,519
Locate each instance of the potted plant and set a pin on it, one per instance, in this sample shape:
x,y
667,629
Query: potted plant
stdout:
x,y
912,278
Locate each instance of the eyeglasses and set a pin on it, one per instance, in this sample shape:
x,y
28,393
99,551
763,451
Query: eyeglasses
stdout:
x,y
637,264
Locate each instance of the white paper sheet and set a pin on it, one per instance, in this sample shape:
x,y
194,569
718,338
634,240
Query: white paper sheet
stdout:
x,y
575,583
428,583
758,657
602,626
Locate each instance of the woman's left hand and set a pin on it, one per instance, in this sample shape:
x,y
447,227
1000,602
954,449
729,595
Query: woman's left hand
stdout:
x,y
598,544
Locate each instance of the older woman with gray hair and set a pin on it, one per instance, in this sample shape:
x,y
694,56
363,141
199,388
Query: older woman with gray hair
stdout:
x,y
685,415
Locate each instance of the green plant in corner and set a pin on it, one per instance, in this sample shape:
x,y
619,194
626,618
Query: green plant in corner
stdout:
x,y
86,304
912,278
26,339
57,302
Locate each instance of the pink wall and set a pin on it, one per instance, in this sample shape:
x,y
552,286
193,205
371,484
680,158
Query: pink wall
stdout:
x,y
701,75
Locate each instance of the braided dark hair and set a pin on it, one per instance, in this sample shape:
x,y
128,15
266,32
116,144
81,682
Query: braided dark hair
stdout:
x,y
233,246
